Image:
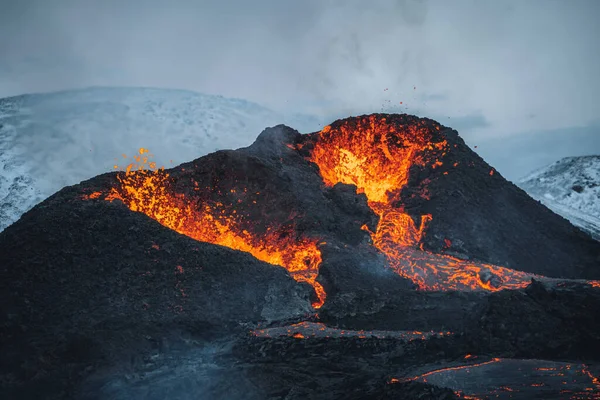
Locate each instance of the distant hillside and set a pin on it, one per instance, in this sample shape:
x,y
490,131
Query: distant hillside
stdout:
x,y
48,141
570,187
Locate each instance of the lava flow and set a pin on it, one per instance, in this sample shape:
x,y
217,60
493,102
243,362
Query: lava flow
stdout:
x,y
145,189
507,378
377,156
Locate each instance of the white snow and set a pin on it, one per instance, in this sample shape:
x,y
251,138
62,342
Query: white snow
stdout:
x,y
48,141
570,187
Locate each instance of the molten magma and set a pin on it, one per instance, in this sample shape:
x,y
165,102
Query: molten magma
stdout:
x,y
506,377
147,191
376,156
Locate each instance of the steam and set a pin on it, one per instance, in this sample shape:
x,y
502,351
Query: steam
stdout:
x,y
521,66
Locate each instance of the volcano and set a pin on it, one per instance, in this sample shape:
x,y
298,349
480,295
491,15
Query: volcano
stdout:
x,y
344,263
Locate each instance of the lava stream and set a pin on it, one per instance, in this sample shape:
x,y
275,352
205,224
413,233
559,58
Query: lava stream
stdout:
x,y
147,191
507,378
376,156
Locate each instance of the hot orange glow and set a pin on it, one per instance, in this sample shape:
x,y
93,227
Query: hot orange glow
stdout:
x,y
595,379
423,377
376,156
368,152
93,195
579,377
145,189
466,396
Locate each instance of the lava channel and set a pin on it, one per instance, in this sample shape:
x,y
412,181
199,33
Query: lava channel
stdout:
x,y
513,378
144,188
376,157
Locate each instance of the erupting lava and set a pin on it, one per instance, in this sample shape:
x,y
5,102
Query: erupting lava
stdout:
x,y
147,190
377,156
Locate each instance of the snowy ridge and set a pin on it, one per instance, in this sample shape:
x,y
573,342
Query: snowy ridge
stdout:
x,y
48,141
570,187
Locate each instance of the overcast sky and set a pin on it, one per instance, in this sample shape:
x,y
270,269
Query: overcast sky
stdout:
x,y
495,67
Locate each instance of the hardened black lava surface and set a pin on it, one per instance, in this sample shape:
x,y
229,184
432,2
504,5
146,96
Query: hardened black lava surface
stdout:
x,y
99,302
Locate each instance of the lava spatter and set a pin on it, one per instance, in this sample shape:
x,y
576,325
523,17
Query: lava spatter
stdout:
x,y
146,189
377,156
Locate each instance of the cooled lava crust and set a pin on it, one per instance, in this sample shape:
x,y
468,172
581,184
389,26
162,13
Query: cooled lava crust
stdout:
x,y
379,222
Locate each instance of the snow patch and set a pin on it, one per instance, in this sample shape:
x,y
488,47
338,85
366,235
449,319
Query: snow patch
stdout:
x,y
570,187
52,140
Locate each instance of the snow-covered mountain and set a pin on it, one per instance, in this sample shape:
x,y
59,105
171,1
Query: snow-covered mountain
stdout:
x,y
48,141
570,187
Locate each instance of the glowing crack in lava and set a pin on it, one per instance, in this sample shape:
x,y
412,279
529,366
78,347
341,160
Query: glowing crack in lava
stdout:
x,y
309,330
376,156
514,378
145,189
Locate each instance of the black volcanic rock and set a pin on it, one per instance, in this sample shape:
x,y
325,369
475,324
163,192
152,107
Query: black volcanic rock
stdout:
x,y
286,187
95,297
335,368
536,322
85,283
489,218
275,184
484,216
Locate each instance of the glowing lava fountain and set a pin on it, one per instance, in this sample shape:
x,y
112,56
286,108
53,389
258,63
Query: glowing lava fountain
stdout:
x,y
148,191
377,156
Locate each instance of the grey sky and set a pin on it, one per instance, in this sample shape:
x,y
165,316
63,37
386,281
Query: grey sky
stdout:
x,y
500,66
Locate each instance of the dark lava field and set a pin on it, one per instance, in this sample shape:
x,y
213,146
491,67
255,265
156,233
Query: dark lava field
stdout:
x,y
380,258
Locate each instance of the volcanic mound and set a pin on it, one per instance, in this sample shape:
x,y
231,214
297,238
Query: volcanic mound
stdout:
x,y
382,223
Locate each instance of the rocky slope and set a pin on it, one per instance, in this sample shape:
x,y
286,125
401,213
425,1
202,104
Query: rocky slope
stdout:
x,y
52,140
570,187
99,301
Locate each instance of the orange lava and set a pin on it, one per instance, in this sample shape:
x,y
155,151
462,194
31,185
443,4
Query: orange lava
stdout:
x,y
466,396
376,156
568,374
298,336
145,189
93,195
423,377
